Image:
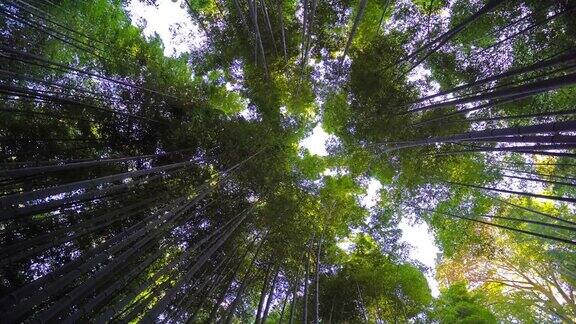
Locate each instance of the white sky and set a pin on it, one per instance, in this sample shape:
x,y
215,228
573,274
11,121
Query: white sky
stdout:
x,y
316,142
423,248
372,194
168,15
171,15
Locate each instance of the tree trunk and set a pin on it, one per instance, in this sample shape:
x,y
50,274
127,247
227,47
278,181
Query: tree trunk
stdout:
x,y
525,90
270,296
293,303
92,183
317,281
72,166
550,182
281,17
521,193
521,220
539,139
567,126
357,19
254,14
165,300
309,36
444,38
284,305
306,275
362,307
534,211
265,13
220,299
243,285
263,293
560,59
520,32
21,55
505,227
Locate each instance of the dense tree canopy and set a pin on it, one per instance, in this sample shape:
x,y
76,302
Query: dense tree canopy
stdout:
x,y
139,186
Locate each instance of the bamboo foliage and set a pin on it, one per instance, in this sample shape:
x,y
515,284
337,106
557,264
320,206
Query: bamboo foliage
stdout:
x,y
142,187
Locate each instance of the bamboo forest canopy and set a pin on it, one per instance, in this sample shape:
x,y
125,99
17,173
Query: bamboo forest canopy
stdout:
x,y
146,185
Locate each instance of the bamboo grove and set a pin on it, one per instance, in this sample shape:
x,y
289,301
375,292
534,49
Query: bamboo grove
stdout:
x,y
142,187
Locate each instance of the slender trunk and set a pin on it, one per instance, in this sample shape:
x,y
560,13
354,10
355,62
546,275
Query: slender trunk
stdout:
x,y
521,193
555,71
82,197
545,236
241,14
45,16
263,293
317,281
384,10
192,319
165,300
520,32
282,32
254,14
567,126
534,13
306,275
10,213
37,58
362,307
521,220
72,166
284,305
540,139
304,27
119,307
269,25
438,42
248,279
270,296
119,262
527,90
488,105
550,182
112,289
199,19
196,292
309,36
46,114
555,113
67,274
213,275
293,303
66,39
36,94
89,286
545,163
141,303
559,59
69,88
357,19
220,299
92,183
520,150
537,174
245,282
533,211
331,311
9,253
